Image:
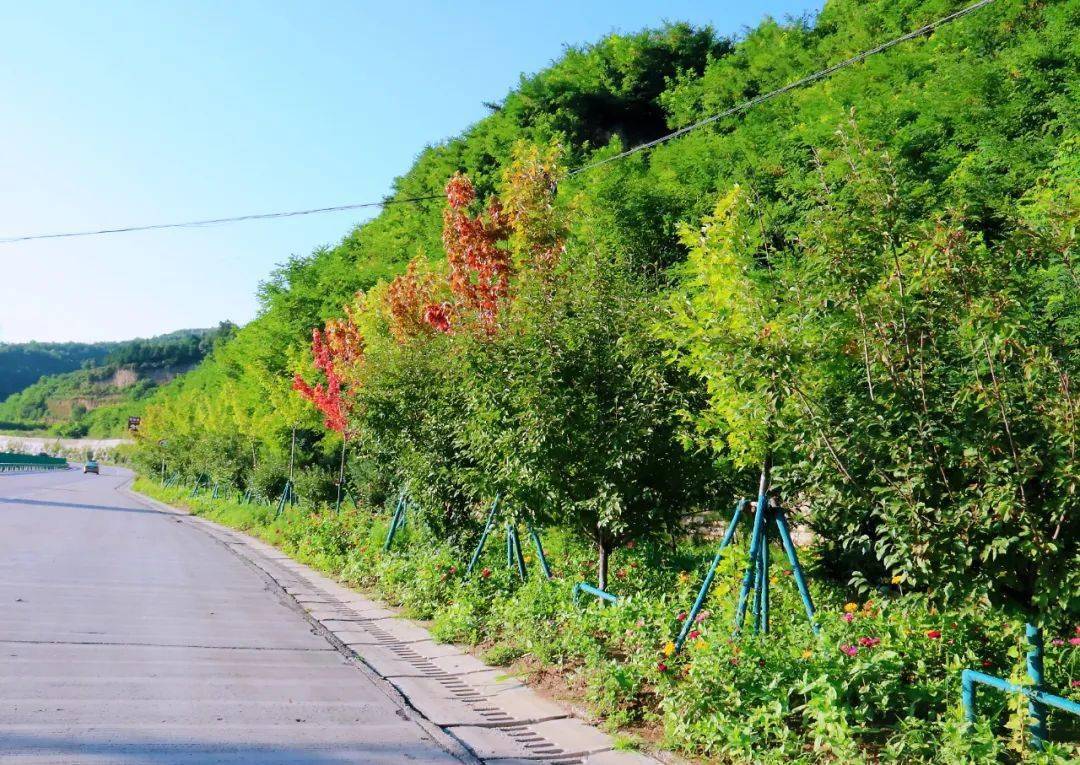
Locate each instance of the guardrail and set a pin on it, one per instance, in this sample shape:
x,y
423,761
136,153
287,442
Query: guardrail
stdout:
x,y
20,463
26,467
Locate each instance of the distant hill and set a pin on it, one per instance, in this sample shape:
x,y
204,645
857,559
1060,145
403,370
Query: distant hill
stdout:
x,y
23,364
92,388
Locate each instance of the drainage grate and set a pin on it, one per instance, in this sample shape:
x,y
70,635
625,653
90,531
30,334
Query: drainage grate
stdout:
x,y
538,748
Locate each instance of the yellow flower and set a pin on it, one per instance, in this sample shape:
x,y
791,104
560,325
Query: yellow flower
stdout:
x,y
851,607
700,644
773,580
807,653
684,577
669,648
897,579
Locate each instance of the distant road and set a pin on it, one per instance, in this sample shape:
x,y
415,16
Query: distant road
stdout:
x,y
127,635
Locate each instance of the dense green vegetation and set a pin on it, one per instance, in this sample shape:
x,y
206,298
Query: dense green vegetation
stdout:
x,y
98,398
867,282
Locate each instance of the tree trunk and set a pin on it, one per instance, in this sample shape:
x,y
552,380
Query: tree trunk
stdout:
x,y
604,552
766,476
341,476
292,454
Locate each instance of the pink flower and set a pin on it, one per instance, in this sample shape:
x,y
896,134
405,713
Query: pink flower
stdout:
x,y
850,650
1074,641
848,617
640,623
1057,641
1075,684
701,617
869,642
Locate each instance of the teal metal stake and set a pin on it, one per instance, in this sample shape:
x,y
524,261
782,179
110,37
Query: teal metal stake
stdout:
x,y
518,555
540,552
705,585
1036,710
399,510
796,569
483,536
763,579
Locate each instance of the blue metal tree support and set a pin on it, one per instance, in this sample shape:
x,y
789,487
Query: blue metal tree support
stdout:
x,y
515,556
1038,699
397,521
756,576
288,497
483,536
595,591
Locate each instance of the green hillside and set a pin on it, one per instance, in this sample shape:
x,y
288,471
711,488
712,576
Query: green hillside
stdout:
x,y
864,289
23,364
97,398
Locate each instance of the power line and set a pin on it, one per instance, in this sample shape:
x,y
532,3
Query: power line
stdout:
x,y
215,221
744,106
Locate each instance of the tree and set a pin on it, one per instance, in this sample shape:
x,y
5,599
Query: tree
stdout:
x,y
922,401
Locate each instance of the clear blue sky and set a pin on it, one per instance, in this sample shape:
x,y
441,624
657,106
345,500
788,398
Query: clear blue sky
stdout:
x,y
145,112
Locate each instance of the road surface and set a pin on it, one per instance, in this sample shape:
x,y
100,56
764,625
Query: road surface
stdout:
x,y
127,635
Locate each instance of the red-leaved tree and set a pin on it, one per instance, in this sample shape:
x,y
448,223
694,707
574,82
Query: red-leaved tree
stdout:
x,y
337,351
479,267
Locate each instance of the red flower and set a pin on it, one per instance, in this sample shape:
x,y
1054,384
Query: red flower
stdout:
x,y
682,616
933,634
694,635
485,573
661,666
986,664
869,642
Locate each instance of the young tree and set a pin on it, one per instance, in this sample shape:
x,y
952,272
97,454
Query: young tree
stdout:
x,y
337,352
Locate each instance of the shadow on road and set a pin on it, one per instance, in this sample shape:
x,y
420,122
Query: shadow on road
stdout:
x,y
190,753
79,506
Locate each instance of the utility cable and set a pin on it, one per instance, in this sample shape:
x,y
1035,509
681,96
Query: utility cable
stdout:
x,y
750,103
744,106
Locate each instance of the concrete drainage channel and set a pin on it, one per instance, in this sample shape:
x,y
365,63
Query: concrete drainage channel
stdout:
x,y
495,717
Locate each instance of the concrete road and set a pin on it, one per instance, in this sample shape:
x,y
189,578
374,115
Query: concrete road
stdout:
x,y
127,635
